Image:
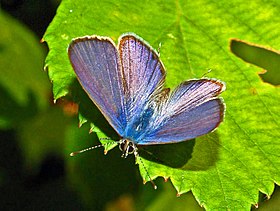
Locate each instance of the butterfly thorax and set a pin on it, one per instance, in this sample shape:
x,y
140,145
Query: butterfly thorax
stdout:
x,y
139,125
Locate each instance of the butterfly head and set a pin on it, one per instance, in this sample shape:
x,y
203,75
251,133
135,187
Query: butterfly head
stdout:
x,y
127,147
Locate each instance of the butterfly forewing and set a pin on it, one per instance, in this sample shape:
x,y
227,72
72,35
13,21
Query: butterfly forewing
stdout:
x,y
97,64
143,72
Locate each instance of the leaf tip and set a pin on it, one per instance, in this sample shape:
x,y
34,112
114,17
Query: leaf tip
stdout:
x,y
45,68
82,120
165,179
91,129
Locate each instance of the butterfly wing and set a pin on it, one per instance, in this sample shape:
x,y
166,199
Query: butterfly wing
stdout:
x,y
192,110
143,71
97,65
119,82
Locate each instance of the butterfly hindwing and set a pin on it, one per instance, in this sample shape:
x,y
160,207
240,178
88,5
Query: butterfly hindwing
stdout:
x,y
192,110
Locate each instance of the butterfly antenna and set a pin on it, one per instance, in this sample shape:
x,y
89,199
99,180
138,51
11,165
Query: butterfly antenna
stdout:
x,y
158,50
208,71
91,148
85,150
152,182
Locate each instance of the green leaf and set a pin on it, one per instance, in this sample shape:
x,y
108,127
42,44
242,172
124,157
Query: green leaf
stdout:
x,y
227,168
165,201
24,88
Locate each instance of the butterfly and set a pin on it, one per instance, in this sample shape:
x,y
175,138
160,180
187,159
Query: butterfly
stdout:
x,y
126,83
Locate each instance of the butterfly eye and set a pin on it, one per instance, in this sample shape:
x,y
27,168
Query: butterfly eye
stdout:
x,y
122,145
130,148
127,147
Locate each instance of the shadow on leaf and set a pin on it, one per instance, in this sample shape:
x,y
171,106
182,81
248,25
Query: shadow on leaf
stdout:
x,y
205,153
174,155
195,155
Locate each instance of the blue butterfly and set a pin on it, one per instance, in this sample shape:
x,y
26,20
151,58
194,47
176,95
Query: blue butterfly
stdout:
x,y
126,83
